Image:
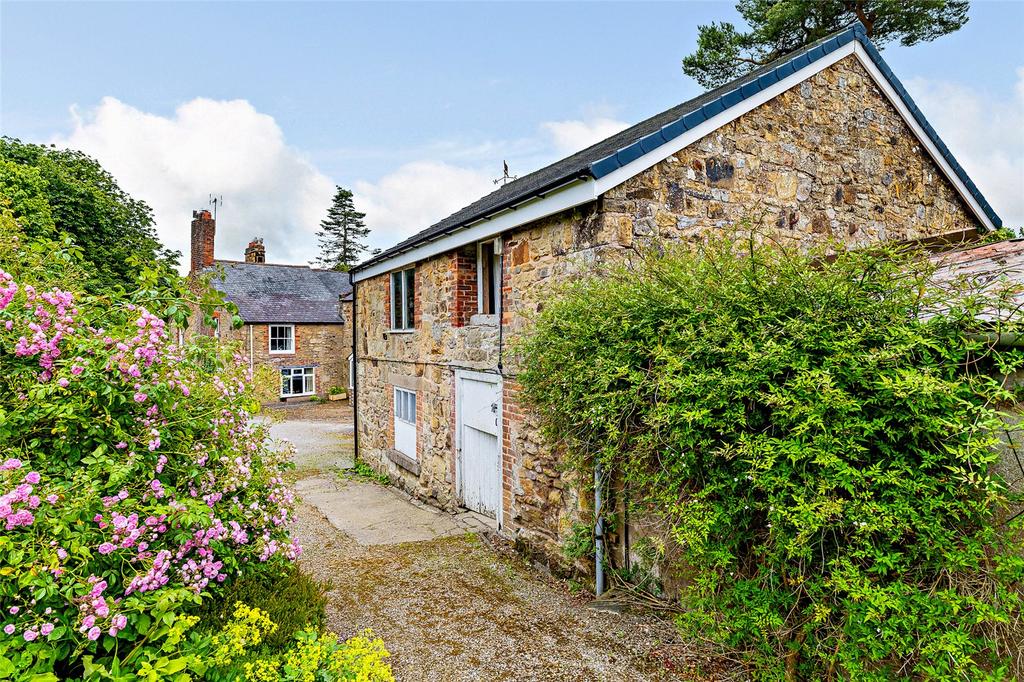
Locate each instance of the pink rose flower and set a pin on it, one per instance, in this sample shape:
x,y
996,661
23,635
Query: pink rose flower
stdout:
x,y
94,633
9,629
30,635
63,383
32,477
106,548
46,629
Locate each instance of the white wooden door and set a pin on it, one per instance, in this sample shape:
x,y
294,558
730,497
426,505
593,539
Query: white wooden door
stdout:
x,y
478,401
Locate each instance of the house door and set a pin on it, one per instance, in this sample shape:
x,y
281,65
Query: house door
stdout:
x,y
478,405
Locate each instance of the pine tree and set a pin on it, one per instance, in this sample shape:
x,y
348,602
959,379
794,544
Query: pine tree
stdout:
x,y
342,233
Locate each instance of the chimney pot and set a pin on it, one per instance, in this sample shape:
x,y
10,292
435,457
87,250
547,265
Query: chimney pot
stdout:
x,y
256,252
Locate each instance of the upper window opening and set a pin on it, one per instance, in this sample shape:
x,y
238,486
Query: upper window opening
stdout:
x,y
403,298
488,275
282,338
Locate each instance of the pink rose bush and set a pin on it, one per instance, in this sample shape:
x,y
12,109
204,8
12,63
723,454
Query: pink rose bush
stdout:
x,y
133,480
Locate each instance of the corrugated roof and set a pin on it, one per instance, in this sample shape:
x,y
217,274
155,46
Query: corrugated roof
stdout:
x,y
282,293
986,268
616,151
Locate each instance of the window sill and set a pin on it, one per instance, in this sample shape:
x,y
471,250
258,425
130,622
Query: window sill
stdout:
x,y
403,461
281,352
400,331
483,320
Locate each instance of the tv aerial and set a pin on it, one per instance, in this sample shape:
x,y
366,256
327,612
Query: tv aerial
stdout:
x,y
215,201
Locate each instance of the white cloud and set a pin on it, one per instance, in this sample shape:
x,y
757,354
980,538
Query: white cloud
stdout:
x,y
415,196
569,137
420,193
985,135
207,146
271,190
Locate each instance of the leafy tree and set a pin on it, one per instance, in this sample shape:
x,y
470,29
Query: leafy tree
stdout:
x,y
778,27
52,190
342,233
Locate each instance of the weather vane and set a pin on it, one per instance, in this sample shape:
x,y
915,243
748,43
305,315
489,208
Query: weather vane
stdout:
x,y
506,178
216,201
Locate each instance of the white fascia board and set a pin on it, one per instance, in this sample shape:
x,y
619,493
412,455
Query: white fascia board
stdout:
x,y
554,202
922,137
589,190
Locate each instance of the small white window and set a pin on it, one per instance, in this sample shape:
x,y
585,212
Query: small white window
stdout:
x,y
403,299
297,381
488,275
282,338
405,422
216,327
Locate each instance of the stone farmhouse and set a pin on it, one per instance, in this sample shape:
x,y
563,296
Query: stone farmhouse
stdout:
x,y
296,317
822,144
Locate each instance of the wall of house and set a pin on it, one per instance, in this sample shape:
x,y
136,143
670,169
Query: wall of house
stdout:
x,y
830,159
324,346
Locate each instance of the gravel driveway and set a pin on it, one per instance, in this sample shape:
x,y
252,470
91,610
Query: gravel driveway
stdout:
x,y
449,605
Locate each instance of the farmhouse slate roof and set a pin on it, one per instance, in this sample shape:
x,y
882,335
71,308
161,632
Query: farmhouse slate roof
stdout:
x,y
290,294
616,151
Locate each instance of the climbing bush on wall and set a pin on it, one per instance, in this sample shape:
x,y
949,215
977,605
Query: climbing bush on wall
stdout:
x,y
819,436
133,483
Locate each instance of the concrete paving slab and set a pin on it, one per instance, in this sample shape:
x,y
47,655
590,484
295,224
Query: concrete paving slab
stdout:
x,y
373,514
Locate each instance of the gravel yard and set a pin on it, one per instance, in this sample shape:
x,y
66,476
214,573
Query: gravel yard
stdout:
x,y
448,603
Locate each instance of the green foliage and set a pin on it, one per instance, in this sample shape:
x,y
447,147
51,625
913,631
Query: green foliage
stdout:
x,y
361,469
819,442
290,598
579,543
133,481
778,27
53,191
342,233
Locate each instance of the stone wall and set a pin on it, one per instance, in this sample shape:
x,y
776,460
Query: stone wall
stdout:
x,y
828,160
323,346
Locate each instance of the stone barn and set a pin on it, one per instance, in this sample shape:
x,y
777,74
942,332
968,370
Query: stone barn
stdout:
x,y
822,144
296,317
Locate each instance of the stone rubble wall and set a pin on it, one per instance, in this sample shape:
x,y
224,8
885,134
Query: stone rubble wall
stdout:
x,y
829,160
324,346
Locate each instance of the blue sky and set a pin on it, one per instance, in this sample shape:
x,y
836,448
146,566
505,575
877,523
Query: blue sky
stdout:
x,y
412,104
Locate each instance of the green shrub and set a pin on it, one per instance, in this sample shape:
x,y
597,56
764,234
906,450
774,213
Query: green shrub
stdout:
x,y
290,598
133,481
818,436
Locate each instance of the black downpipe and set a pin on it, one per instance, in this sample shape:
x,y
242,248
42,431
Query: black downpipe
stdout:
x,y
355,374
501,302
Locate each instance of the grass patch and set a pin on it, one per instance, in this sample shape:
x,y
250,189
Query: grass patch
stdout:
x,y
293,600
363,471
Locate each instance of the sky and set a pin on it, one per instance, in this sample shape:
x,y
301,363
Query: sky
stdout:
x,y
413,106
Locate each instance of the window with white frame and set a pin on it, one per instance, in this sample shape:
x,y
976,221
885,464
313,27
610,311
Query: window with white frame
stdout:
x,y
488,276
282,338
405,422
216,327
297,381
403,296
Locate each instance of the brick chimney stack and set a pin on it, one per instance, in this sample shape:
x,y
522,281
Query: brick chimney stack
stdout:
x,y
203,229
256,252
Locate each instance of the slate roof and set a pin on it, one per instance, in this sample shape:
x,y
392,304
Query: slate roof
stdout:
x,y
290,294
616,151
